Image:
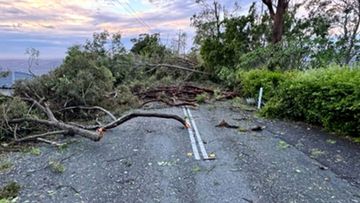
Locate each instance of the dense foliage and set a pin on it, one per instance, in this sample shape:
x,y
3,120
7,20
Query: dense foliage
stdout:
x,y
327,34
327,96
252,81
305,75
101,72
149,46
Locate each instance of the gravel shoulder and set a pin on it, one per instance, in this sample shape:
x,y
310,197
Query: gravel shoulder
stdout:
x,y
149,160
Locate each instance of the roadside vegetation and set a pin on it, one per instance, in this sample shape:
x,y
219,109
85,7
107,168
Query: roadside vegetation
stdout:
x,y
307,66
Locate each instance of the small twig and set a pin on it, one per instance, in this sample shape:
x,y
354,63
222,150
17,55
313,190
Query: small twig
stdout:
x,y
69,186
49,142
15,129
116,159
248,200
98,122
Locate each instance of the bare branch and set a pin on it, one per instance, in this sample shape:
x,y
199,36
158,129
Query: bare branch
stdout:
x,y
64,126
135,115
92,108
15,129
34,137
270,7
50,142
49,113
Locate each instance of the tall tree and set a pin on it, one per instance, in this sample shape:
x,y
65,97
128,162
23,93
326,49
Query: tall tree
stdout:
x,y
277,17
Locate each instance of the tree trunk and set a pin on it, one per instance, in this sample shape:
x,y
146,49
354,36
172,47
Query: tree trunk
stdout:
x,y
278,18
217,17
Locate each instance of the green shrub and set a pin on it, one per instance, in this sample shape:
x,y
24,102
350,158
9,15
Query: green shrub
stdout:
x,y
78,81
251,81
329,97
11,108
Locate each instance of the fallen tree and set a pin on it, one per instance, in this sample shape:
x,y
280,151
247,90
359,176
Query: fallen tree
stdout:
x,y
37,121
94,133
89,93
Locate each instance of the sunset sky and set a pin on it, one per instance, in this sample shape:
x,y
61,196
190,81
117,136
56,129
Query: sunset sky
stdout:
x,y
51,26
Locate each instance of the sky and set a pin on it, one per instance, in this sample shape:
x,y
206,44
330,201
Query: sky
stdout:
x,y
51,26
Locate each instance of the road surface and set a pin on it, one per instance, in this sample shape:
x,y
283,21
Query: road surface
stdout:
x,y
152,160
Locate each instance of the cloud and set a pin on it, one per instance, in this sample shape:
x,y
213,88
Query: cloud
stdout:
x,y
43,23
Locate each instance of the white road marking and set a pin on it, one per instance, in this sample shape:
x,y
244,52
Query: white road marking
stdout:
x,y
197,134
192,138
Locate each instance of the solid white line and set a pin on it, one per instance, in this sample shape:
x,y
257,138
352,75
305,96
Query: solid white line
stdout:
x,y
198,137
192,138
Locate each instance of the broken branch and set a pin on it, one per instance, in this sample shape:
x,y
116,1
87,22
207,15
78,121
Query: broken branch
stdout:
x,y
33,137
49,142
135,115
91,108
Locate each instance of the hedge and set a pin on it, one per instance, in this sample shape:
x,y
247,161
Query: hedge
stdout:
x,y
329,97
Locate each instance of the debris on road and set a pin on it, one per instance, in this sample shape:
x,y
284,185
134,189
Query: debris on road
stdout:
x,y
189,154
282,145
186,95
323,168
212,155
224,124
257,128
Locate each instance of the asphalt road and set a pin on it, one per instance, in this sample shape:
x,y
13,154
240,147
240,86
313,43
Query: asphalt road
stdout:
x,y
151,160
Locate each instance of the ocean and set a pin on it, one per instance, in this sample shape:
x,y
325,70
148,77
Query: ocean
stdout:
x,y
43,66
